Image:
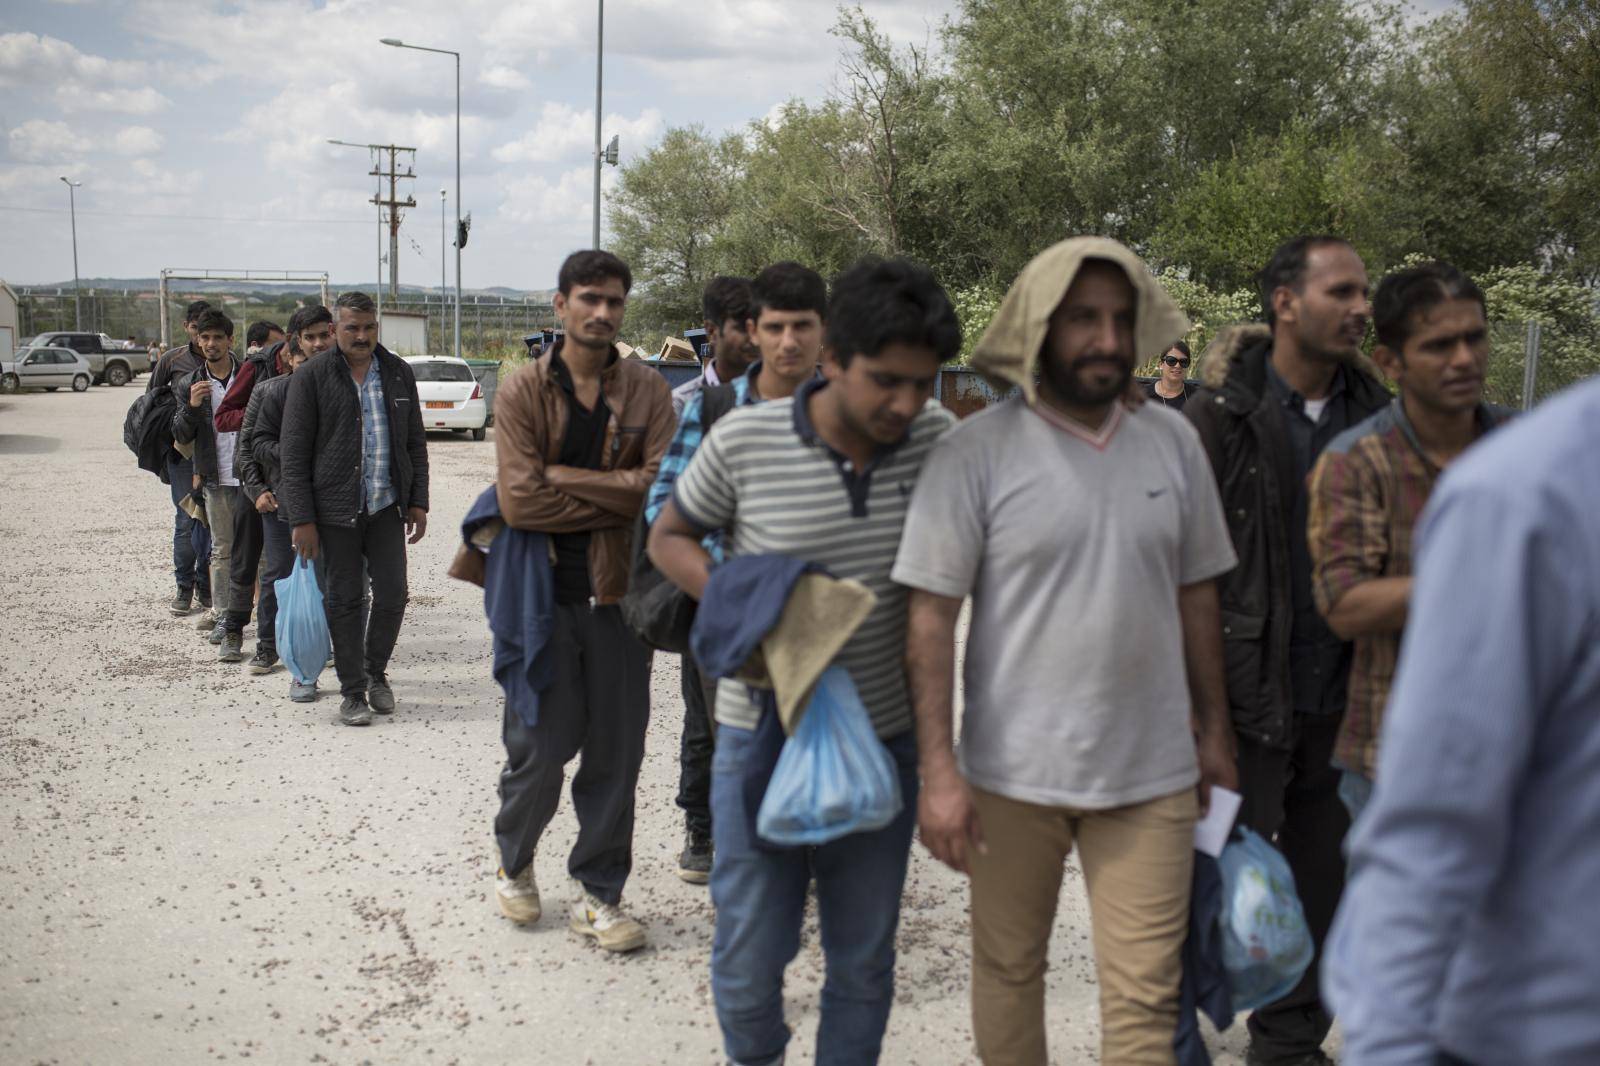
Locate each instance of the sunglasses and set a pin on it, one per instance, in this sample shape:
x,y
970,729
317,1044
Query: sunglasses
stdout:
x,y
1172,360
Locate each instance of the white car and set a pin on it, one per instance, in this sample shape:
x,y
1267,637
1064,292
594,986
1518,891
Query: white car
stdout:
x,y
46,368
451,396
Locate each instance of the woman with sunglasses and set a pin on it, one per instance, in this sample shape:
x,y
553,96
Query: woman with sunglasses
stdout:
x,y
1171,386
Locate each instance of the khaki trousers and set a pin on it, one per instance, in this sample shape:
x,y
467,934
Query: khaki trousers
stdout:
x,y
1137,865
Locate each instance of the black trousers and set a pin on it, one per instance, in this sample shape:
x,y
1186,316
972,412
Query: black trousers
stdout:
x,y
695,748
248,543
1291,797
597,707
375,547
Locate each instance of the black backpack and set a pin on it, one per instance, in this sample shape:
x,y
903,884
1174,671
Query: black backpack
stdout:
x,y
658,612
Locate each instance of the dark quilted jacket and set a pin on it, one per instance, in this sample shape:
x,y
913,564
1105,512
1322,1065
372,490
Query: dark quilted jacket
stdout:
x,y
256,462
320,443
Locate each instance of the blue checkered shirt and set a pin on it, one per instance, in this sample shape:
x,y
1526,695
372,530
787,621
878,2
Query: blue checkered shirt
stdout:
x,y
685,442
377,491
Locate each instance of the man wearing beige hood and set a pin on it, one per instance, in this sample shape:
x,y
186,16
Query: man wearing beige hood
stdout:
x,y
1089,536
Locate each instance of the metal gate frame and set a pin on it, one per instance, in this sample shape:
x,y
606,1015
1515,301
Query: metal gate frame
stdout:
x,y
198,274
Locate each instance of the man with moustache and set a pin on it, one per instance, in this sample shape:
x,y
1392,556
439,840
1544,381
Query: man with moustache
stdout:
x,y
198,394
1371,484
1273,398
726,306
355,490
579,433
191,541
784,310
1096,717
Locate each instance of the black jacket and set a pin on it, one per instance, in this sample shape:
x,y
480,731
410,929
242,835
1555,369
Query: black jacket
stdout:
x,y
1241,426
320,442
195,425
255,461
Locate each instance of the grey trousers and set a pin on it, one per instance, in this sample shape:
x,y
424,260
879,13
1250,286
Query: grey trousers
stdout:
x,y
597,707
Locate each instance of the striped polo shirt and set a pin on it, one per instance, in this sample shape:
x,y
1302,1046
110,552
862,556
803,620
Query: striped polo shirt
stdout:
x,y
766,478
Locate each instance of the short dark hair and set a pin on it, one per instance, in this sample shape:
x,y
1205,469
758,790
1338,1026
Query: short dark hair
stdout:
x,y
306,317
591,267
356,300
211,319
1287,267
878,302
195,309
726,297
258,332
1182,346
788,286
1403,294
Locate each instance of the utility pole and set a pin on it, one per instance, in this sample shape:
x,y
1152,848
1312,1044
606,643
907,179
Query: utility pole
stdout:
x,y
72,201
599,81
394,204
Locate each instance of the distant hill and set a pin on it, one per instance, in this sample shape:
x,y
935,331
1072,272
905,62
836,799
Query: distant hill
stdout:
x,y
229,285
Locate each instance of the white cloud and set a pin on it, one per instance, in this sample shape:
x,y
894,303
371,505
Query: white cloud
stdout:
x,y
137,140
563,132
500,76
143,101
39,141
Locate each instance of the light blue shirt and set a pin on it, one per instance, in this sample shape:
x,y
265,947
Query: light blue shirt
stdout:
x,y
377,491
1471,922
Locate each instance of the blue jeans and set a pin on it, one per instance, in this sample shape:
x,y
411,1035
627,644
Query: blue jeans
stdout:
x,y
191,541
1356,792
760,899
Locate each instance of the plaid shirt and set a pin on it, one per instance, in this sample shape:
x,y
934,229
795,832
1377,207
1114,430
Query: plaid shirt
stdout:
x,y
1366,494
377,491
685,442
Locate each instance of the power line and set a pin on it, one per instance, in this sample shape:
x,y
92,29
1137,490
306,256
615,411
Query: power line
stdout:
x,y
195,218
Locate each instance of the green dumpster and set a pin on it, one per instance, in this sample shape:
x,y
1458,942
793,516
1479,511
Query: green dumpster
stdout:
x,y
487,371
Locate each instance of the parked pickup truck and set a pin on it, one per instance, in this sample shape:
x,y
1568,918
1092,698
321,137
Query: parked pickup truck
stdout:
x,y
109,360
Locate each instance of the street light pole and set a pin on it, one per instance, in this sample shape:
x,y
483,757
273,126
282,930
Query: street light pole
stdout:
x,y
393,42
599,68
444,289
77,295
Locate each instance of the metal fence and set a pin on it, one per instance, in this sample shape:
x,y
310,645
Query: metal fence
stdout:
x,y
491,326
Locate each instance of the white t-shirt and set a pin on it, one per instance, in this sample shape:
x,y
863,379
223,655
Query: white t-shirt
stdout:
x,y
1073,546
226,442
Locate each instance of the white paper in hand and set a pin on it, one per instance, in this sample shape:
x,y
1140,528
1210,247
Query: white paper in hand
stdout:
x,y
1211,832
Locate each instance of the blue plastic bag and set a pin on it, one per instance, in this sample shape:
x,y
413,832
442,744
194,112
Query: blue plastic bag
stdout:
x,y
834,777
1266,946
302,627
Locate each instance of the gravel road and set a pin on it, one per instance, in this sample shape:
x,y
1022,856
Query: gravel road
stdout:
x,y
195,868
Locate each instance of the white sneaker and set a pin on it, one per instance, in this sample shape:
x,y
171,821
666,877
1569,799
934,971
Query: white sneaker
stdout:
x,y
518,896
606,923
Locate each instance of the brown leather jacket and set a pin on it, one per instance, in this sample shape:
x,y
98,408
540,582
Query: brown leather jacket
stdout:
x,y
530,420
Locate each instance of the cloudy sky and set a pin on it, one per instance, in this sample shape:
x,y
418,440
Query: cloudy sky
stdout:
x,y
199,127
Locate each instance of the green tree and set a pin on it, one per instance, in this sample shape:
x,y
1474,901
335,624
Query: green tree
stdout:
x,y
669,218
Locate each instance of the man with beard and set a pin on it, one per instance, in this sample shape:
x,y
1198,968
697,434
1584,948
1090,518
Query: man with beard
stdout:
x,y
191,540
579,433
355,489
198,395
726,304
1096,715
1273,398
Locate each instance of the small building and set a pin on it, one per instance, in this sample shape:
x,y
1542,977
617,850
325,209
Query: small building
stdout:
x,y
9,334
404,332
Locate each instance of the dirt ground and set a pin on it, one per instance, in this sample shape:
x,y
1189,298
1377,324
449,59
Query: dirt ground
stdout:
x,y
194,868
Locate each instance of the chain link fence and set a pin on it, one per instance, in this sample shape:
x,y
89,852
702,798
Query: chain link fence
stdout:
x,y
492,327
1529,362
